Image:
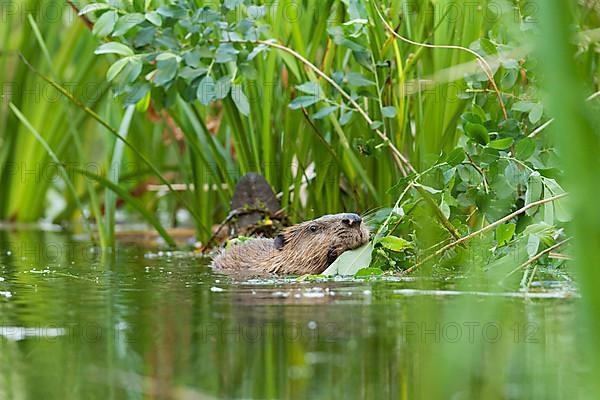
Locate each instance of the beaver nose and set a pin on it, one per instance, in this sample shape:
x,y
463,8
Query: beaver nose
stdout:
x,y
351,219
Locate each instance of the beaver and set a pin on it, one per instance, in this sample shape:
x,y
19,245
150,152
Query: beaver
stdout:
x,y
306,248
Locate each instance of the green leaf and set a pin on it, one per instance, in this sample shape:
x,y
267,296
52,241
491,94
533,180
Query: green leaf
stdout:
x,y
166,65
477,132
394,243
325,111
487,46
351,261
116,68
375,125
388,112
125,74
126,22
345,117
509,78
105,24
561,209
356,79
456,157
154,18
356,9
533,244
312,88
534,191
114,48
523,106
256,51
226,53
207,90
223,86
94,7
303,101
504,233
536,113
427,188
524,149
472,117
240,99
231,4
501,144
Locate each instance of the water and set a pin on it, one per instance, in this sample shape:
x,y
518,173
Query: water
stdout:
x,y
74,326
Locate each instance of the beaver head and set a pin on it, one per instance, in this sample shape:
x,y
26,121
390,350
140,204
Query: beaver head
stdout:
x,y
314,245
306,248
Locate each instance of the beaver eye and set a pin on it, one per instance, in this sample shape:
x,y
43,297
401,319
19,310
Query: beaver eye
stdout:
x,y
313,228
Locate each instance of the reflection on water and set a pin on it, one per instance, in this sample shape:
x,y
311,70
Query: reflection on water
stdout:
x,y
75,327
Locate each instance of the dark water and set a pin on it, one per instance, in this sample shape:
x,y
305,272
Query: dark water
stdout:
x,y
139,325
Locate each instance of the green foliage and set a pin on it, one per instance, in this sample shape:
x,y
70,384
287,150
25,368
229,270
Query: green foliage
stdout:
x,y
316,105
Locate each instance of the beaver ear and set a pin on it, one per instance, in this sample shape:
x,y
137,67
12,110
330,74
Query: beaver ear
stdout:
x,y
279,241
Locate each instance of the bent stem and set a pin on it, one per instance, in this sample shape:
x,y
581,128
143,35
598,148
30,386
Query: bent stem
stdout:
x,y
399,158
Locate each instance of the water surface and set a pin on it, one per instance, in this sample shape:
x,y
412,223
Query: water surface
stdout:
x,y
164,325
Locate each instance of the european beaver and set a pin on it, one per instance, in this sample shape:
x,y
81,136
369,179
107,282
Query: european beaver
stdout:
x,y
306,248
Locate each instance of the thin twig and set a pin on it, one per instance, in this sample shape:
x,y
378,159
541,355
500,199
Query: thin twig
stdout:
x,y
484,229
487,70
537,257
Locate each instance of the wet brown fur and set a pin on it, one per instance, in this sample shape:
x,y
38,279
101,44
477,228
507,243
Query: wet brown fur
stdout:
x,y
306,248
